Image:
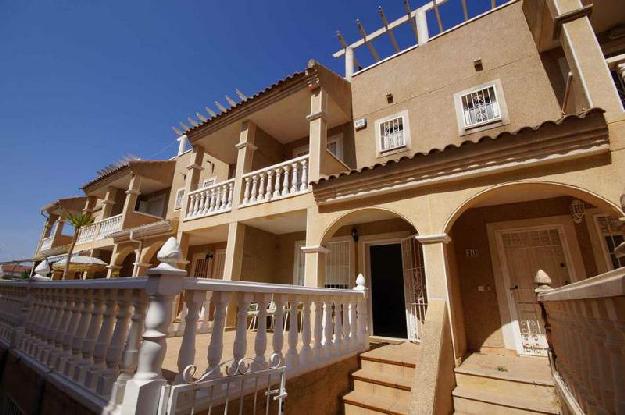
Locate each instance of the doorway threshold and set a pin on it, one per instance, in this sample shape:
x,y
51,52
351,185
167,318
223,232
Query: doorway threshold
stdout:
x,y
386,340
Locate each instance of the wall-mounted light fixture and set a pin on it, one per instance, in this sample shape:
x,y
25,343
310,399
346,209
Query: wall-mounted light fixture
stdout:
x,y
355,234
577,209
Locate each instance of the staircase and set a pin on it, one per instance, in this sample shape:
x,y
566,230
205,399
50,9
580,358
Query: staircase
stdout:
x,y
504,384
383,382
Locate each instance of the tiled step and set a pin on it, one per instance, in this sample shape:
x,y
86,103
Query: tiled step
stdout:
x,y
357,403
382,384
521,387
497,399
392,360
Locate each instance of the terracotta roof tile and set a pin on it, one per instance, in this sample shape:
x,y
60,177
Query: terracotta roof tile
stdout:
x,y
482,139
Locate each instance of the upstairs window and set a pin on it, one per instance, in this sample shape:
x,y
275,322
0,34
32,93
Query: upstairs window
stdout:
x,y
179,198
393,133
480,107
609,229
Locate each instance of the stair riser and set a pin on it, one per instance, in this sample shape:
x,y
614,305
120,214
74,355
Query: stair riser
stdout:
x,y
387,368
357,410
468,406
380,390
526,389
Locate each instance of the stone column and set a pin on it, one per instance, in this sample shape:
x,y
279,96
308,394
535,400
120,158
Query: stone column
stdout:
x,y
143,391
318,142
584,55
108,201
245,156
315,265
90,205
58,229
234,252
132,194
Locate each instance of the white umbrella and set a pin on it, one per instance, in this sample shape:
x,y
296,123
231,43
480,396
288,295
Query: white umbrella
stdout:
x,y
81,263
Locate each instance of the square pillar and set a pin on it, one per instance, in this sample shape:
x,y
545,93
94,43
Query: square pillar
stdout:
x,y
584,55
234,252
435,265
90,205
315,265
192,178
318,141
58,229
132,194
245,157
108,201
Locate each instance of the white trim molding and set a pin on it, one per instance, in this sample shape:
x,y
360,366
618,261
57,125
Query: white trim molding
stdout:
x,y
433,239
314,249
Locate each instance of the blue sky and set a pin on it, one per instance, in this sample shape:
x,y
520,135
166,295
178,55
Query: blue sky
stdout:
x,y
82,83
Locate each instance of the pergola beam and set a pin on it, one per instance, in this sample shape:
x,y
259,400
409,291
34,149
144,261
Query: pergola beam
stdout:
x,y
391,34
369,45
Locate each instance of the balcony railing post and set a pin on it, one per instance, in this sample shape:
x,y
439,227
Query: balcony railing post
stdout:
x,y
143,391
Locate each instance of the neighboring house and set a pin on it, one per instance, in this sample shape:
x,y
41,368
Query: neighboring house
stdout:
x,y
9,271
447,174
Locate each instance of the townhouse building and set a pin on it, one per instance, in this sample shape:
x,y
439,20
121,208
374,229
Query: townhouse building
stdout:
x,y
455,175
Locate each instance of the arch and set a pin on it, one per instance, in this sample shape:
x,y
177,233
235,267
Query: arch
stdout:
x,y
345,219
150,252
568,190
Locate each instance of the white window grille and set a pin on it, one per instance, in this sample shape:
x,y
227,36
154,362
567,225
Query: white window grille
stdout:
x,y
179,198
480,107
392,134
338,264
611,238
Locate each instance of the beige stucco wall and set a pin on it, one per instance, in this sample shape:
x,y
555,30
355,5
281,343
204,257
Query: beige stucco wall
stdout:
x,y
424,80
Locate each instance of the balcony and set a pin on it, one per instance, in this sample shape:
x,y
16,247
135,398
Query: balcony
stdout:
x,y
210,200
275,182
100,229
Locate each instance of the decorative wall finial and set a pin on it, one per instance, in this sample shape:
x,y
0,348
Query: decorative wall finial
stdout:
x,y
42,270
360,283
543,281
169,255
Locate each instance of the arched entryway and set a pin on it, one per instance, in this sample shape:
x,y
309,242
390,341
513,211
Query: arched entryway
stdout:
x,y
383,247
501,238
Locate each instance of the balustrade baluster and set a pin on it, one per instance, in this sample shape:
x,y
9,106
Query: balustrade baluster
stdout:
x,y
213,193
347,340
230,194
103,340
261,187
215,348
254,195
291,356
304,177
42,317
260,342
68,334
276,191
327,328
191,206
186,356
224,196
204,203
285,183
118,338
60,312
318,341
246,193
269,192
278,328
86,309
239,348
130,357
89,342
338,325
306,352
294,181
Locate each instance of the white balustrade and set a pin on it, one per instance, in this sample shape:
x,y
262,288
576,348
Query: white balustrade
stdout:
x,y
106,339
276,182
100,229
210,200
46,243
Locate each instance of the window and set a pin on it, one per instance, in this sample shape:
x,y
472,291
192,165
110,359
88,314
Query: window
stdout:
x,y
611,237
179,198
393,132
480,107
298,264
620,85
335,146
338,264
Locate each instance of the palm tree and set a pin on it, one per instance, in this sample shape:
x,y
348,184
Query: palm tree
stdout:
x,y
78,221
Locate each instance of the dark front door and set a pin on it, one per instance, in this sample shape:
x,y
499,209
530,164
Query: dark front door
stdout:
x,y
387,296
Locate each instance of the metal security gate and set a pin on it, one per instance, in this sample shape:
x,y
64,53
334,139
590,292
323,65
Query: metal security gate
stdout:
x,y
414,287
240,391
